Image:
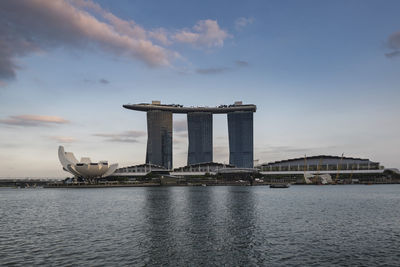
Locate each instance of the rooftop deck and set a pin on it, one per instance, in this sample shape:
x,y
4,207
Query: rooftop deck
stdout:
x,y
181,109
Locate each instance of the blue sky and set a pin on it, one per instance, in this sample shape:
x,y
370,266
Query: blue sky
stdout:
x,y
323,74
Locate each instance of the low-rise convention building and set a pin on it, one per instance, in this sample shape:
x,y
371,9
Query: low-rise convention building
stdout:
x,y
321,163
139,170
206,167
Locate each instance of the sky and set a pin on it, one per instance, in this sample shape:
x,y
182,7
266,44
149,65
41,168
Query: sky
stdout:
x,y
325,76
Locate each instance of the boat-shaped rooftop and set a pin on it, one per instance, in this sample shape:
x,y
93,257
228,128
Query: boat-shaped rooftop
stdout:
x,y
175,108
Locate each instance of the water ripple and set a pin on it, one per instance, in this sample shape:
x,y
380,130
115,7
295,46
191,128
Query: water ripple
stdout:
x,y
192,226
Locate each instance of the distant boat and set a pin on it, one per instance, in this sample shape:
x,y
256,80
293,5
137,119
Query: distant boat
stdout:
x,y
279,186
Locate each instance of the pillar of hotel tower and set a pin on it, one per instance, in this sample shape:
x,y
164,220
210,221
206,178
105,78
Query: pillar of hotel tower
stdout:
x,y
159,138
200,126
240,127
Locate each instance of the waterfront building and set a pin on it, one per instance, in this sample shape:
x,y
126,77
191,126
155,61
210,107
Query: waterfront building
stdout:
x,y
200,133
159,138
240,127
321,163
139,170
326,169
205,167
159,127
84,168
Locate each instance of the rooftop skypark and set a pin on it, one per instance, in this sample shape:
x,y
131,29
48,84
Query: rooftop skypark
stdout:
x,y
175,108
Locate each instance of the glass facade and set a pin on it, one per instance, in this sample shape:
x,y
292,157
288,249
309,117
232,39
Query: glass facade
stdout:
x,y
240,127
159,138
322,163
200,133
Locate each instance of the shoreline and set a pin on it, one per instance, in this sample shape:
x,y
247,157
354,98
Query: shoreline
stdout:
x,y
75,186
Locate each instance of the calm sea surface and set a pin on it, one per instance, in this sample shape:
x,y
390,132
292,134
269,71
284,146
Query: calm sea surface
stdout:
x,y
353,225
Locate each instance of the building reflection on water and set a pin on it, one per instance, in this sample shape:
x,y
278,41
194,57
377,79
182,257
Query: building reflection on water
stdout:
x,y
200,225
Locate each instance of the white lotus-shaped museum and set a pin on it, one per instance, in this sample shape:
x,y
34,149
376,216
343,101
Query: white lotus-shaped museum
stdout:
x,y
84,168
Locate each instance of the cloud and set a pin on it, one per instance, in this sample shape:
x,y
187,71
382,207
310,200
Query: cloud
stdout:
x,y
393,43
33,26
63,139
241,63
180,126
104,81
242,22
394,40
125,137
219,70
183,135
178,143
39,25
393,54
221,153
212,70
33,120
206,33
160,35
284,149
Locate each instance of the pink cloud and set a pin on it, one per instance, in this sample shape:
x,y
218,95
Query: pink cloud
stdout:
x,y
160,35
33,120
63,139
41,25
206,33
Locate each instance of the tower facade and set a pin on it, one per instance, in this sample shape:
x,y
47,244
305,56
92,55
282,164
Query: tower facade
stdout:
x,y
240,127
200,125
200,132
159,138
